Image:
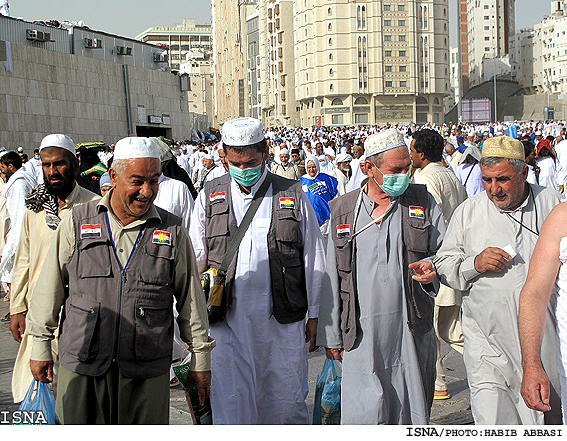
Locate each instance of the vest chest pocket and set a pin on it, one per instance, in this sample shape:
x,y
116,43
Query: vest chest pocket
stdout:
x,y
154,329
288,225
78,336
93,259
343,254
416,235
217,217
160,264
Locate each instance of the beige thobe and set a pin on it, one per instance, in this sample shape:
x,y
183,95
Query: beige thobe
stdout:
x,y
34,242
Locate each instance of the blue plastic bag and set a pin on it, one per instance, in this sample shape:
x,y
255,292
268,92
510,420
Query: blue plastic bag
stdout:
x,y
39,398
327,406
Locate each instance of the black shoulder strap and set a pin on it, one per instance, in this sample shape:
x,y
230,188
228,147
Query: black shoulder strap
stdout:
x,y
246,221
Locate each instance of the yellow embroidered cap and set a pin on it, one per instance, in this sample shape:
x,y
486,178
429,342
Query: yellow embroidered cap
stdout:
x,y
503,147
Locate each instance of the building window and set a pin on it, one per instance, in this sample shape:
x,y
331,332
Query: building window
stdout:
x,y
487,28
486,38
329,11
485,6
387,53
387,38
331,87
337,102
403,84
401,23
401,38
331,71
486,49
402,53
486,17
386,7
361,118
330,57
387,68
387,22
330,41
360,100
403,68
401,7
389,84
330,27
337,119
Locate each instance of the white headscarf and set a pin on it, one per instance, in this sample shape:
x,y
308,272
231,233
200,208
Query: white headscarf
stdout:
x,y
314,160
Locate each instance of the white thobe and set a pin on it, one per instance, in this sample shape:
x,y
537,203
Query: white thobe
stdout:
x,y
174,196
491,301
547,173
561,151
259,366
15,192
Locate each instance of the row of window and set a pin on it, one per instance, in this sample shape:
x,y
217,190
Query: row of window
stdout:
x,y
388,53
400,69
389,8
391,84
401,23
389,38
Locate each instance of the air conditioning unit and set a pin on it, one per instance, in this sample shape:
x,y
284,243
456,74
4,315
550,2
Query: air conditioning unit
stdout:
x,y
160,57
93,43
35,35
123,50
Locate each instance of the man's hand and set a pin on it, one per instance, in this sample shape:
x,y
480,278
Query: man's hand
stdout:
x,y
491,259
334,354
18,326
424,272
311,333
203,381
42,370
535,388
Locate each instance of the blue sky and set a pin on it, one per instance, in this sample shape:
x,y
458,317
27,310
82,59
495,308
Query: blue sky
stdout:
x,y
131,17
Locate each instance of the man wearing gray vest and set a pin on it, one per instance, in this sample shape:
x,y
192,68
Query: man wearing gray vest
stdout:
x,y
273,284
377,300
123,260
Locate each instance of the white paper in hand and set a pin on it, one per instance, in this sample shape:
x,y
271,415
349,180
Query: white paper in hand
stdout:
x,y
508,248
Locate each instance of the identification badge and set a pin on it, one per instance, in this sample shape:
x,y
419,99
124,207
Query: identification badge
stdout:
x,y
343,230
217,197
90,231
417,212
287,203
162,237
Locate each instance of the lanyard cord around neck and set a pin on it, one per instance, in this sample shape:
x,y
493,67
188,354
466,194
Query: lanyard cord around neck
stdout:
x,y
536,217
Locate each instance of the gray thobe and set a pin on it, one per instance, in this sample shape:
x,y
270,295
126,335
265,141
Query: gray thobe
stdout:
x,y
491,301
389,375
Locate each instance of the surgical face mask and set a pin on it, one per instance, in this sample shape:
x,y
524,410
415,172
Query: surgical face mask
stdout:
x,y
394,185
246,177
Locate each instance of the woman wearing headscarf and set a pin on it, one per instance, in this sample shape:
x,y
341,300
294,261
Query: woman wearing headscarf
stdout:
x,y
546,163
469,172
320,188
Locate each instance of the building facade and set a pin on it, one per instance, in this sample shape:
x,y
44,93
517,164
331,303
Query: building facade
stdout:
x,y
365,62
490,24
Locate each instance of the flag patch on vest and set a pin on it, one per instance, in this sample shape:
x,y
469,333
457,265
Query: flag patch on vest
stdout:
x,y
217,197
418,212
89,230
343,230
162,237
287,203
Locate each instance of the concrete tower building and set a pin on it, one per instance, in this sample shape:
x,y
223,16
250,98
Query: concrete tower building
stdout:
x,y
370,62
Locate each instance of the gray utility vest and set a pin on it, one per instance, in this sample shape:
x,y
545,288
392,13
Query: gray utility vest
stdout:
x,y
415,240
285,243
116,314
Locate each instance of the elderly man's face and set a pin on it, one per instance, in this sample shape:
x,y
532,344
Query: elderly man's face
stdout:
x,y
504,187
135,188
207,163
284,158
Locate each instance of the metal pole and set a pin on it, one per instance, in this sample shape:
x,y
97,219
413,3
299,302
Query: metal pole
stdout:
x,y
495,108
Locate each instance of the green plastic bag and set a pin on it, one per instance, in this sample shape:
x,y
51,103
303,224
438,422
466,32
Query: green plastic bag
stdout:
x,y
201,414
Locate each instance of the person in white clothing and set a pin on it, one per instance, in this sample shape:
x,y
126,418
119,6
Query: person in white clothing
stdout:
x,y
18,183
343,172
546,163
260,362
469,172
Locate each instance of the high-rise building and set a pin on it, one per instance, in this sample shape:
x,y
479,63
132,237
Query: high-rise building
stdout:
x,y
490,24
230,58
179,40
367,62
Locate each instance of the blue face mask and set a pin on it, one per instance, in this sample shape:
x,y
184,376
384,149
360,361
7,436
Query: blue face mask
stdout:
x,y
247,177
394,185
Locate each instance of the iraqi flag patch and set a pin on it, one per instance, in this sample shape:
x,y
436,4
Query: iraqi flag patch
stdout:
x,y
90,231
162,237
287,203
217,197
343,230
417,212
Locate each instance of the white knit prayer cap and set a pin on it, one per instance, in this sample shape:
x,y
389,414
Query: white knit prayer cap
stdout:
x,y
58,140
383,141
242,131
134,147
